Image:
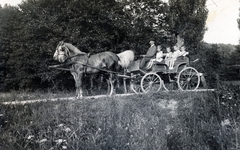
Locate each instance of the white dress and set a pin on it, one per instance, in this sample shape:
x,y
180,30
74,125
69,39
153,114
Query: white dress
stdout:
x,y
159,56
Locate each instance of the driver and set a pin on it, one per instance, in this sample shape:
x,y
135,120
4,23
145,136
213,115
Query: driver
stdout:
x,y
149,55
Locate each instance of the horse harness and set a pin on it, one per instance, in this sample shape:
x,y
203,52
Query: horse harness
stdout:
x,y
63,53
85,65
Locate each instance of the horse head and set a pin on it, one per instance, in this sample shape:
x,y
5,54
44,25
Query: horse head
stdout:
x,y
62,52
65,51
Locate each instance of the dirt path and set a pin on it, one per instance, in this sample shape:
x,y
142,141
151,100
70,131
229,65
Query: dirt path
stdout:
x,y
88,97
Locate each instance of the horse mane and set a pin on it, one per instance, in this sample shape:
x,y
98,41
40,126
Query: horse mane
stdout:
x,y
74,49
125,58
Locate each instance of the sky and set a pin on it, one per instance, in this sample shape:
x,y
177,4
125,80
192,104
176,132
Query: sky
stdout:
x,y
221,23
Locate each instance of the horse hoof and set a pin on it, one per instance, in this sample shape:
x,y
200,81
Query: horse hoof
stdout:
x,y
79,97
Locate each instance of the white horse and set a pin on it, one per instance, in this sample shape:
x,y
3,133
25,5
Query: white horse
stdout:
x,y
125,58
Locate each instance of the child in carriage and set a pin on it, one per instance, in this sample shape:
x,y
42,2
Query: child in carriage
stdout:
x,y
176,54
168,56
183,51
159,57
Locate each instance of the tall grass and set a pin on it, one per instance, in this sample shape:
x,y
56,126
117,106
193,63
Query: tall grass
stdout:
x,y
155,121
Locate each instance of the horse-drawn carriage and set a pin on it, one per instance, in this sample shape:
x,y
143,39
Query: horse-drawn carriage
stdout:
x,y
182,76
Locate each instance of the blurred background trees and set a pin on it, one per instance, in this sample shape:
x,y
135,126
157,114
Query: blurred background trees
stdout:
x,y
30,32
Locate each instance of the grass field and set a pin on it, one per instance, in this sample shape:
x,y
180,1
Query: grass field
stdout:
x,y
161,121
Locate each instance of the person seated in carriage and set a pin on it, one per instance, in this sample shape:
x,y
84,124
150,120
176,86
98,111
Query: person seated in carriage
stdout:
x,y
176,54
159,57
183,51
149,55
168,56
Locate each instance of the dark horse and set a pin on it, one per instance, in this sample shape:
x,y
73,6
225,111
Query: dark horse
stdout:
x,y
82,62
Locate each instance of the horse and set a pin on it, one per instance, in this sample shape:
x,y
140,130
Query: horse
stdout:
x,y
126,57
85,63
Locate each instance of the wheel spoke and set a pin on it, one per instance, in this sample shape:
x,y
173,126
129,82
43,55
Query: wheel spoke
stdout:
x,y
155,79
184,85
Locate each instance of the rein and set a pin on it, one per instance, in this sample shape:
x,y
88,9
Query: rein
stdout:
x,y
104,70
67,53
69,57
59,67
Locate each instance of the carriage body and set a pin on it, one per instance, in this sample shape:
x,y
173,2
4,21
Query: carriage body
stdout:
x,y
181,77
161,67
180,63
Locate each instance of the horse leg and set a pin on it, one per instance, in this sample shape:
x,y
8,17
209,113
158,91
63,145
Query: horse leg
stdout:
x,y
91,83
101,82
74,74
79,86
78,83
124,82
111,84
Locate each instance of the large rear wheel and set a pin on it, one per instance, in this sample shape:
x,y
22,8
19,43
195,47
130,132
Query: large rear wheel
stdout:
x,y
188,79
151,82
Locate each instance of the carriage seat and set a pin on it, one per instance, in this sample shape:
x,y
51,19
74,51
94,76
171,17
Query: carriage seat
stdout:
x,y
162,66
181,60
133,66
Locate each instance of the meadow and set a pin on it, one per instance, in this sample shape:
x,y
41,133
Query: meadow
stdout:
x,y
156,121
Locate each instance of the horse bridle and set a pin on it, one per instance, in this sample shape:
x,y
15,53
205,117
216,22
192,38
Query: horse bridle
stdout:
x,y
65,52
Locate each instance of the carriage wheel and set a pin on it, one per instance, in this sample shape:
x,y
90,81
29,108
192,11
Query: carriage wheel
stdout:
x,y
188,79
135,83
151,82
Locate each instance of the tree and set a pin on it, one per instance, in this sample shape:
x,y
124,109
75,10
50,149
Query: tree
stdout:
x,y
10,33
148,20
187,18
234,64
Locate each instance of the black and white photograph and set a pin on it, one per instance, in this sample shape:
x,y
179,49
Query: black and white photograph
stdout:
x,y
119,74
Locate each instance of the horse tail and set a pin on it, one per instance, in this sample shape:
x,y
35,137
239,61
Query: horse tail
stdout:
x,y
125,58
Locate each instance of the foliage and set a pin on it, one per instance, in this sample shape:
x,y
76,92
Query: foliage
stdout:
x,y
187,18
148,20
10,30
217,62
